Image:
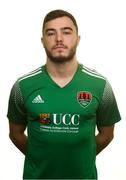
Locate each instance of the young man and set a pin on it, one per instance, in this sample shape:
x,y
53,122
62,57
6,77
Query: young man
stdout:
x,y
61,104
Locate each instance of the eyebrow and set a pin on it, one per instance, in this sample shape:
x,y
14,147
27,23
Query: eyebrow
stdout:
x,y
49,29
64,28
67,28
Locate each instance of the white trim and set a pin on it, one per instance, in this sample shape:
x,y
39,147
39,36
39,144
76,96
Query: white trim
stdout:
x,y
91,74
30,72
35,70
91,71
30,75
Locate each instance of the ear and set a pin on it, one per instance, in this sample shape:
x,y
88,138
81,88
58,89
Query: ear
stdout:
x,y
78,39
42,41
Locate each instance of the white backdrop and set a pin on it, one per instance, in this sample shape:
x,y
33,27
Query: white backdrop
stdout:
x,y
102,26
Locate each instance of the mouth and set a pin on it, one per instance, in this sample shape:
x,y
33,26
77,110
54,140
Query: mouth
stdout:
x,y
59,47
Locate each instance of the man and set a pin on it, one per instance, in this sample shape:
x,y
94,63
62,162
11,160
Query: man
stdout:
x,y
61,104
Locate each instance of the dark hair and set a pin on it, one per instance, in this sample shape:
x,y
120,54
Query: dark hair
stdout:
x,y
56,14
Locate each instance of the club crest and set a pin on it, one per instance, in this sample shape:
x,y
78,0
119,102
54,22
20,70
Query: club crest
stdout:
x,y
44,118
84,98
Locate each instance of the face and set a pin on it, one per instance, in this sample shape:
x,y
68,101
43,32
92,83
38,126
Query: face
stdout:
x,y
60,40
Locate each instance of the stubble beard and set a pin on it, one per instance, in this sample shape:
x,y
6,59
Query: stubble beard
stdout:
x,y
61,59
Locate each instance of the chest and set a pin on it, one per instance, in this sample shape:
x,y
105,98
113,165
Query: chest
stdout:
x,y
61,115
76,100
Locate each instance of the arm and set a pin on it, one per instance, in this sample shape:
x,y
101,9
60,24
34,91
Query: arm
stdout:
x,y
104,137
107,115
18,136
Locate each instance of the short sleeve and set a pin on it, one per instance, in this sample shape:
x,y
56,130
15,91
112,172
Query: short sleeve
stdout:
x,y
108,113
16,110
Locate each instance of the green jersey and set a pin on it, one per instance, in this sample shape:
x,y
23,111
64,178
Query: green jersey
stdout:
x,y
61,122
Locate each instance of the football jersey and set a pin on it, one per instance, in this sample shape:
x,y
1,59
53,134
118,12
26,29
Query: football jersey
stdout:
x,y
61,122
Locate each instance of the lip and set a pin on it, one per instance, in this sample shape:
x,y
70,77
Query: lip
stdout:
x,y
59,47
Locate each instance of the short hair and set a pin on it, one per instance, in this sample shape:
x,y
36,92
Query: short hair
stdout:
x,y
56,14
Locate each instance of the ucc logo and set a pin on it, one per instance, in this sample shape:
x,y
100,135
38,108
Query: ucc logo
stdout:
x,y
66,119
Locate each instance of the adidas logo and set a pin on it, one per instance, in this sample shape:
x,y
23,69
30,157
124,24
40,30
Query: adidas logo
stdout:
x,y
38,99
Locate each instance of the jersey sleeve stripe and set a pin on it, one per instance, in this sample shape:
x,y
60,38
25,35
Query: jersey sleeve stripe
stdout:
x,y
93,74
30,75
92,71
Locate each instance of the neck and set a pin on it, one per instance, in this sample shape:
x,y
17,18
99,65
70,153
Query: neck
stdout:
x,y
64,70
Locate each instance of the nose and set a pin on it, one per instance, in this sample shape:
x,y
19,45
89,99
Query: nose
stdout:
x,y
59,37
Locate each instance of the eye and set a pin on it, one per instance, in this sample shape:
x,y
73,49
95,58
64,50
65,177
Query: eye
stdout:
x,y
50,33
66,32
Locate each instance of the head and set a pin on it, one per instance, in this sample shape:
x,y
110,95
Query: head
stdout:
x,y
60,36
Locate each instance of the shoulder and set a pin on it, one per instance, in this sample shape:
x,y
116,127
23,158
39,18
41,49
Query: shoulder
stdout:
x,y
93,74
92,80
29,82
30,76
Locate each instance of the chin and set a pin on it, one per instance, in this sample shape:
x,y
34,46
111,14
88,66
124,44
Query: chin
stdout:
x,y
60,60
